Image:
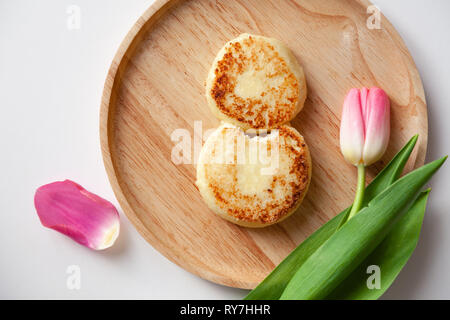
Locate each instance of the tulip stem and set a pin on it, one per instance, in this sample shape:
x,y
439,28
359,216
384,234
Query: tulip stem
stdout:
x,y
359,197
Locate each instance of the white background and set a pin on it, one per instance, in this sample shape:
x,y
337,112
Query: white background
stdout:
x,y
51,81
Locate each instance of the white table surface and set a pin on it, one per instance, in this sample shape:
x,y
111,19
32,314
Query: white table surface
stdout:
x,y
51,80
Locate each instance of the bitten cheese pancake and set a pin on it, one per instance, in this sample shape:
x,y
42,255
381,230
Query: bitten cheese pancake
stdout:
x,y
255,82
254,180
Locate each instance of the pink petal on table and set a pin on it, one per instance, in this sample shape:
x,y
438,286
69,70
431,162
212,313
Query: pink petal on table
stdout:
x,y
67,207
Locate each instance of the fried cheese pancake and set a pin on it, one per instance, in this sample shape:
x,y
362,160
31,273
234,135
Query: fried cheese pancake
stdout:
x,y
255,82
254,180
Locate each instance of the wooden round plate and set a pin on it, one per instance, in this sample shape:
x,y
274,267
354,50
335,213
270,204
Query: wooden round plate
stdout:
x,y
156,85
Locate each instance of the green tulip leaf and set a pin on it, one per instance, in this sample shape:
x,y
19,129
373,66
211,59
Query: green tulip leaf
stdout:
x,y
347,248
388,259
274,284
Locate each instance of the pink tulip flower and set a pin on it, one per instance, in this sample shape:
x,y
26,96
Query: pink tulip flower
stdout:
x,y
67,207
365,125
365,130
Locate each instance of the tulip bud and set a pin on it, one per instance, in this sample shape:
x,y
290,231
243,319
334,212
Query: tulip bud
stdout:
x,y
365,125
79,214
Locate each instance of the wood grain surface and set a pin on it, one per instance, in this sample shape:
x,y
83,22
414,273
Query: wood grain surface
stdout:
x,y
156,85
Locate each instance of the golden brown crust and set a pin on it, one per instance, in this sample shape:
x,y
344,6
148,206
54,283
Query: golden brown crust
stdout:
x,y
275,105
283,194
